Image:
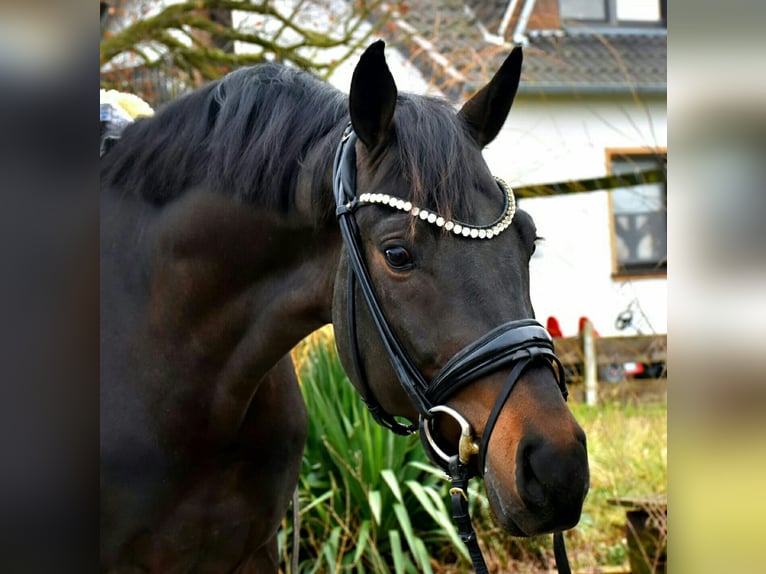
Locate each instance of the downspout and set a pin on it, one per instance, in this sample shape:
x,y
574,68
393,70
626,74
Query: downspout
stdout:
x,y
521,26
509,10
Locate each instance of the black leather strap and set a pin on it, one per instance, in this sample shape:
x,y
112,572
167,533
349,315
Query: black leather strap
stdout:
x,y
513,378
460,474
381,416
560,553
502,346
409,376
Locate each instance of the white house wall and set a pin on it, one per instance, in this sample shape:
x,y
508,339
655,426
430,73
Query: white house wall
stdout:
x,y
555,138
549,139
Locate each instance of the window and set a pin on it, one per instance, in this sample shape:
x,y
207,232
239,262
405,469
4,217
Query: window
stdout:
x,y
639,216
623,13
584,9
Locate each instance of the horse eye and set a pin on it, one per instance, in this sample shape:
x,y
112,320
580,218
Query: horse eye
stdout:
x,y
398,258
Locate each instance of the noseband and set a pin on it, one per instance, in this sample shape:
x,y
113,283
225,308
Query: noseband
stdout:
x,y
516,344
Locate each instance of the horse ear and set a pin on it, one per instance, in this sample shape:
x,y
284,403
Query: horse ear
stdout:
x,y
486,111
372,98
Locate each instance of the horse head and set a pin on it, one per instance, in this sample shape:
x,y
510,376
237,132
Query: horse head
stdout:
x,y
447,257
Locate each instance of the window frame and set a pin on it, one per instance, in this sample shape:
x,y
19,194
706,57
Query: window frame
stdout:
x,y
618,273
611,24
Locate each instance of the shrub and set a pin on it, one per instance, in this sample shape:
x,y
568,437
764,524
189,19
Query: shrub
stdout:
x,y
369,500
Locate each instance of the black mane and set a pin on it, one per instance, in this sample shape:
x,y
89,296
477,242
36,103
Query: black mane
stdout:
x,y
248,134
240,136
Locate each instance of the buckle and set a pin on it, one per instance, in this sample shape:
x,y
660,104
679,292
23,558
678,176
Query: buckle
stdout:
x,y
467,446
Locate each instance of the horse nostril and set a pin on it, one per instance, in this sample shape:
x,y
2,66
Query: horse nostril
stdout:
x,y
548,474
529,467
580,436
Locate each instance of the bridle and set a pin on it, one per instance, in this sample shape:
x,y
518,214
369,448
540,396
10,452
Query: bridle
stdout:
x,y
517,344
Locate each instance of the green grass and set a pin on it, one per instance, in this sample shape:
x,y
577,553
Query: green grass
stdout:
x,y
371,503
628,455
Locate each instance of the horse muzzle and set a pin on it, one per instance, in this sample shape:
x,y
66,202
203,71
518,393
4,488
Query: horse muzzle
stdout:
x,y
530,451
542,490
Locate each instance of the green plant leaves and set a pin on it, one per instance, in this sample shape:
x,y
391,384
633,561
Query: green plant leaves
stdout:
x,y
416,545
359,511
392,482
433,503
375,504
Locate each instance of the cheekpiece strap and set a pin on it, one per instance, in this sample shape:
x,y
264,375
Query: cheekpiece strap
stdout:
x,y
460,475
379,414
560,553
412,381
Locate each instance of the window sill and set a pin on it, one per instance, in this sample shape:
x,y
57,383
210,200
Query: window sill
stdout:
x,y
623,275
601,29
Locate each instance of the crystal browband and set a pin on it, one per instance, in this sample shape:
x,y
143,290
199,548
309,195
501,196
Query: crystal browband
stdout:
x,y
456,227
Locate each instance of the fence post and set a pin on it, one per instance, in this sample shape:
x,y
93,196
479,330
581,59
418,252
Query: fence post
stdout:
x,y
590,366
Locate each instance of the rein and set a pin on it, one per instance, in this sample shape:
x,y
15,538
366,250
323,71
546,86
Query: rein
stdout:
x,y
517,344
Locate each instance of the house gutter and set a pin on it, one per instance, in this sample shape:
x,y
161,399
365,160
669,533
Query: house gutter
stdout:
x,y
591,89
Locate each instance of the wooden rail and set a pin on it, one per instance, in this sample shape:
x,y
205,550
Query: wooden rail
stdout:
x,y
609,350
584,356
646,531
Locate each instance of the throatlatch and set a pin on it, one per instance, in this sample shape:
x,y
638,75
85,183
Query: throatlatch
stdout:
x,y
517,344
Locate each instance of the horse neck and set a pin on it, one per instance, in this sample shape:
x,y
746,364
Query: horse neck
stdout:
x,y
282,265
307,242
313,201
210,250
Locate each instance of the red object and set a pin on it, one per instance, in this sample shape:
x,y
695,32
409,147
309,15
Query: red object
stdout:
x,y
639,370
553,327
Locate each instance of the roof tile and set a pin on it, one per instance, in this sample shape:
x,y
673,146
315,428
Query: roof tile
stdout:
x,y
554,60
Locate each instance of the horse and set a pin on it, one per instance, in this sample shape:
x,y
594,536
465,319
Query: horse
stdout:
x,y
258,208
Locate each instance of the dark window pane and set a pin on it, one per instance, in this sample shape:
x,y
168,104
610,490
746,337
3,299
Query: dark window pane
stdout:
x,y
640,218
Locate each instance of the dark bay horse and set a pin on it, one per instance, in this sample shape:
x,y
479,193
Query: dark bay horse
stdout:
x,y
221,249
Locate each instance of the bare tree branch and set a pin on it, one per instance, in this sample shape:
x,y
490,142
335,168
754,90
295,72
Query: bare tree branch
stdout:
x,y
186,40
